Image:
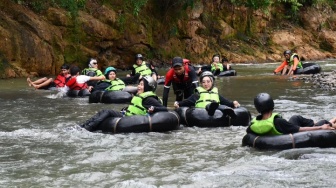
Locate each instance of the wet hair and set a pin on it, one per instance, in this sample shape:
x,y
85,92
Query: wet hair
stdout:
x,y
74,70
65,66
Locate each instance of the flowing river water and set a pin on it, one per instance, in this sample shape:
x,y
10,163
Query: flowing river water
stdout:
x,y
42,146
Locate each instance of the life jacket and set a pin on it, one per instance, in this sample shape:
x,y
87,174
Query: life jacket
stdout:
x,y
265,127
206,97
116,85
61,80
92,72
136,108
186,77
291,61
74,85
219,65
143,69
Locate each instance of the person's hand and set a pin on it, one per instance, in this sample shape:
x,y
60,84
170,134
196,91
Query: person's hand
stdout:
x,y
236,104
176,104
151,109
128,75
326,127
90,88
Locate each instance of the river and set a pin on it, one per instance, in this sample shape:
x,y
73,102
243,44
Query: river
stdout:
x,y
42,146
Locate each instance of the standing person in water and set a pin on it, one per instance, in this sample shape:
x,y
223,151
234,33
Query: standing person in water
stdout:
x,y
183,78
207,97
145,101
46,83
271,123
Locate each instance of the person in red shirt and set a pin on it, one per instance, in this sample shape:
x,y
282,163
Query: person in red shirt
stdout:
x,y
283,68
184,80
46,83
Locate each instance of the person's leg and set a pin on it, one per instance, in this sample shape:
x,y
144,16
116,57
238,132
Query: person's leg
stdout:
x,y
227,111
45,83
211,108
178,91
301,121
92,123
36,82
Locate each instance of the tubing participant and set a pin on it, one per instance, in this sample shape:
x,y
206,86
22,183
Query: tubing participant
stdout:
x,y
207,97
78,82
141,68
184,80
93,71
284,65
270,123
144,102
290,65
215,67
112,83
46,83
226,65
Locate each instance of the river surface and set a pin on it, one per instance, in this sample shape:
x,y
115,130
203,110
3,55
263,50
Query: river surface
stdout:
x,y
42,146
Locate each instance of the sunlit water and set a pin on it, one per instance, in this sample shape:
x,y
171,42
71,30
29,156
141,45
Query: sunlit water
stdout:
x,y
42,146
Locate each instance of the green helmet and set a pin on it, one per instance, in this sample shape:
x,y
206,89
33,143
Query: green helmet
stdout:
x,y
108,69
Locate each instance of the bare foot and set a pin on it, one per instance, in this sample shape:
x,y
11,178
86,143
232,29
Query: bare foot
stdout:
x,y
29,82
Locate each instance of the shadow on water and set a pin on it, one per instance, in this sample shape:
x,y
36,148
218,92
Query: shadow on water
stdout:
x,y
42,146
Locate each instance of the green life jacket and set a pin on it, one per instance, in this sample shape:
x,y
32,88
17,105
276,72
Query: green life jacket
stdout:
x,y
143,69
116,85
266,126
206,97
92,72
136,108
291,61
219,65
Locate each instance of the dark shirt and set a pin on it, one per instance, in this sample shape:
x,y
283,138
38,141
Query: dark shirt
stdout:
x,y
191,101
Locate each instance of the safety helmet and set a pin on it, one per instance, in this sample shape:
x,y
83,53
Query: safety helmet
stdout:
x,y
149,83
207,73
138,56
287,52
263,102
91,62
108,69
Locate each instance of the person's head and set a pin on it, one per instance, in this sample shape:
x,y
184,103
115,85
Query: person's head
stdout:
x,y
177,64
207,80
65,69
138,59
264,103
110,73
147,83
93,63
215,58
74,71
225,60
287,54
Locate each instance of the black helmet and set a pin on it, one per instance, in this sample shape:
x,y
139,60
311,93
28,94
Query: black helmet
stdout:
x,y
287,52
138,56
207,73
149,83
65,66
263,102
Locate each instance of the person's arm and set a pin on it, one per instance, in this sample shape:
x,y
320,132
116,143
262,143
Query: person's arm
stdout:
x,y
193,77
153,105
166,87
279,68
322,127
132,71
225,101
100,75
190,101
293,67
